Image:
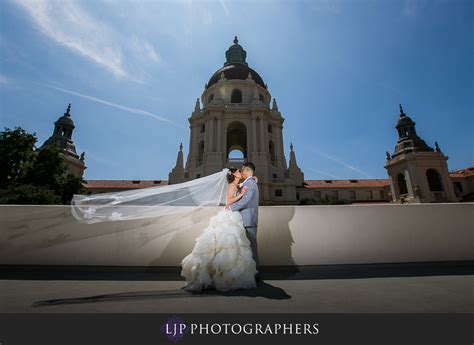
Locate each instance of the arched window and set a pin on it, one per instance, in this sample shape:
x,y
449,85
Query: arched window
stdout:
x,y
236,157
236,141
210,98
434,180
236,96
262,99
402,184
200,156
271,149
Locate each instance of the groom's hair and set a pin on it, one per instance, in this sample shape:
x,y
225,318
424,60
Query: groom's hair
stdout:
x,y
250,166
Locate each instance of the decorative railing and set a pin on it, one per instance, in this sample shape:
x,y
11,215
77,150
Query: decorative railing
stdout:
x,y
235,161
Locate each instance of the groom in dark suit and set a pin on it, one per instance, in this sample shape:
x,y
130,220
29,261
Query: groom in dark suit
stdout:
x,y
248,207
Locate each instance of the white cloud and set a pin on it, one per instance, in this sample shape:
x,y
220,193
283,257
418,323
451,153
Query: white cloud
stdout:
x,y
326,173
115,105
70,25
224,7
347,165
4,80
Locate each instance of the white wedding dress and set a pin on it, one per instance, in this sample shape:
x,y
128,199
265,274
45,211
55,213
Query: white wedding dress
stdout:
x,y
222,256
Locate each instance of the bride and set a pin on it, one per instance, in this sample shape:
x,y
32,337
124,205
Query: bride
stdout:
x,y
222,256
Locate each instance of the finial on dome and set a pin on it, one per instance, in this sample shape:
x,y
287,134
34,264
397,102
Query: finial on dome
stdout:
x,y
275,105
235,54
67,113
401,110
181,147
291,146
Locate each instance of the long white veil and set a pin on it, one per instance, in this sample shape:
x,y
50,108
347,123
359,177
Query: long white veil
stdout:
x,y
149,202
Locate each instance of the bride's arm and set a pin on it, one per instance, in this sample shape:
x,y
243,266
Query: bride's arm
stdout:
x,y
230,191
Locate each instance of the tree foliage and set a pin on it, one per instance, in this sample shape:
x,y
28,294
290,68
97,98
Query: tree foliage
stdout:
x,y
33,176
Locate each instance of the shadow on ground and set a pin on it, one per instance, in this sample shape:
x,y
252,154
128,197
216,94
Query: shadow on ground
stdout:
x,y
264,290
118,273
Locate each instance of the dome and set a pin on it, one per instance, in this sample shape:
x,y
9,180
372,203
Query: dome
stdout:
x,y
236,66
403,119
236,71
66,118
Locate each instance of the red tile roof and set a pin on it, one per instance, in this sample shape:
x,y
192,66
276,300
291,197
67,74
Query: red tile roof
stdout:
x,y
126,184
462,172
353,183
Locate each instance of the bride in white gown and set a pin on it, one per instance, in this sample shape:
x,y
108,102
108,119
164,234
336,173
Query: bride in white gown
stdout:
x,y
222,256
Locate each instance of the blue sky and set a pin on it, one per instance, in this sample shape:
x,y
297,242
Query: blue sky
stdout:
x,y
133,70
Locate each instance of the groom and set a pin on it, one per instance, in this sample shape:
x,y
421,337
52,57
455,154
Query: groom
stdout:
x,y
248,207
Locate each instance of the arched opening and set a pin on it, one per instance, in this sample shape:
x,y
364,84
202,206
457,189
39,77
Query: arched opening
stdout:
x,y
271,149
210,98
402,184
236,157
200,156
262,99
434,180
236,96
236,143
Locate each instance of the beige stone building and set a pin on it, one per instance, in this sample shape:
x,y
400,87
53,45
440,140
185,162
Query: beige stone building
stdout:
x,y
417,172
62,138
463,180
236,120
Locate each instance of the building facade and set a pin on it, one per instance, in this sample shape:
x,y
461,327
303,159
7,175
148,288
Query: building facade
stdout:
x,y
62,138
236,121
417,172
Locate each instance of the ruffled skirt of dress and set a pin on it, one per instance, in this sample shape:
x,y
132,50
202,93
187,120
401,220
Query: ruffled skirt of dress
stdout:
x,y
222,256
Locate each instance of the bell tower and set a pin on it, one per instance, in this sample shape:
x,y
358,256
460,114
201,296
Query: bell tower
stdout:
x,y
62,138
417,172
235,121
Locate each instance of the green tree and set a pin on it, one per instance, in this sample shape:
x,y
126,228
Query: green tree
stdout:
x,y
16,153
33,176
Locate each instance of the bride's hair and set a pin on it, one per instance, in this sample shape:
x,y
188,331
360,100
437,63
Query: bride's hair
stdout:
x,y
230,175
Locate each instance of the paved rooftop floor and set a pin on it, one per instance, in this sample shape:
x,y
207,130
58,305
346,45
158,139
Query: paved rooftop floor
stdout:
x,y
382,288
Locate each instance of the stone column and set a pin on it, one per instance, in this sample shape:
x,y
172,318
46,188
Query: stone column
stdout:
x,y
279,146
254,134
207,137
211,134
262,135
219,134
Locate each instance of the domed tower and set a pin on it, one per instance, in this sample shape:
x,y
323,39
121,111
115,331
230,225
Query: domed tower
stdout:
x,y
417,172
236,121
62,138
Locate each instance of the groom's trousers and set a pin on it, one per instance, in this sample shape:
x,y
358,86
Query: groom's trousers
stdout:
x,y
251,233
